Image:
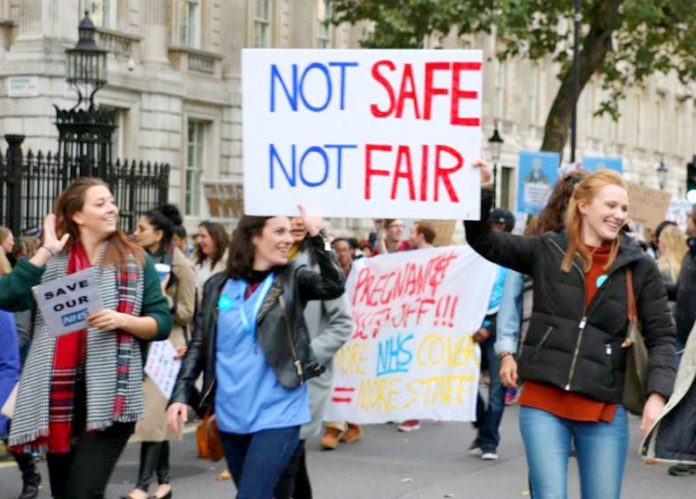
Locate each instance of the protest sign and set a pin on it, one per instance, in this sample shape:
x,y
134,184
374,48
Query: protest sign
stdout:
x,y
537,174
647,207
678,212
411,355
67,302
225,200
362,133
163,366
599,163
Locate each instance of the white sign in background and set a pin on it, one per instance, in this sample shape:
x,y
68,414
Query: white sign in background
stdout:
x,y
163,366
362,133
411,355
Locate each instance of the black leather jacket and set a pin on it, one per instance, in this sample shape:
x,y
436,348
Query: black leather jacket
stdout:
x,y
281,330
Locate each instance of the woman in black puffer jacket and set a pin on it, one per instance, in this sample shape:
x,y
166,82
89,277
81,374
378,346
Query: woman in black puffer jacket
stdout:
x,y
574,356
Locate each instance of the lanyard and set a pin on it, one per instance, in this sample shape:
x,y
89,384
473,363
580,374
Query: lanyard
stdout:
x,y
263,290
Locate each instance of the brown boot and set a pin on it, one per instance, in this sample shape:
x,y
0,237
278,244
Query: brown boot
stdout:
x,y
330,439
353,433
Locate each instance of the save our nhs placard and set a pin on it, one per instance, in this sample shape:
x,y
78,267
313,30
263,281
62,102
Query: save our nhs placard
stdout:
x,y
362,133
599,163
537,174
411,354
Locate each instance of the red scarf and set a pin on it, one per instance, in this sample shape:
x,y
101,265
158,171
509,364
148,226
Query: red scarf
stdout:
x,y
68,357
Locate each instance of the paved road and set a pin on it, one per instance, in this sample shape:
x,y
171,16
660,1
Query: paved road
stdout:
x,y
428,464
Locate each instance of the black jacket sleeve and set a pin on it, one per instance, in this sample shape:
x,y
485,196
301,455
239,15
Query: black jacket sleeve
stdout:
x,y
195,359
509,250
657,329
329,283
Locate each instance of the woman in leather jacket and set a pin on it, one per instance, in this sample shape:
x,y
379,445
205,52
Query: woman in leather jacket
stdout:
x,y
574,355
251,342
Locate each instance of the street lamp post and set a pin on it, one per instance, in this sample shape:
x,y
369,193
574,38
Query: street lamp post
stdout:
x,y
84,132
495,144
662,173
86,63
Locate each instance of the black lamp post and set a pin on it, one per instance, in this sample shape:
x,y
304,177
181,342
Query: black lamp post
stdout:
x,y
86,63
662,172
84,132
495,144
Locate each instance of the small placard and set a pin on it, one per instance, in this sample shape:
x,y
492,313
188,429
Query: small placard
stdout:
x,y
67,302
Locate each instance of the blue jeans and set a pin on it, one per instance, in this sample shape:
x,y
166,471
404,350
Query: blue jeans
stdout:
x,y
601,450
257,460
488,418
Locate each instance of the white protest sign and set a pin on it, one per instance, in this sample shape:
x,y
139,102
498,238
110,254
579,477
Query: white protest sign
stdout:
x,y
163,366
65,303
362,133
411,355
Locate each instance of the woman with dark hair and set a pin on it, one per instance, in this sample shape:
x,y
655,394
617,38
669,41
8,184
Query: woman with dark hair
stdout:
x,y
80,394
573,359
251,341
211,251
154,234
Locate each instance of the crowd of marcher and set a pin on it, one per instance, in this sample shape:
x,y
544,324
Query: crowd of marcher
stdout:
x,y
256,317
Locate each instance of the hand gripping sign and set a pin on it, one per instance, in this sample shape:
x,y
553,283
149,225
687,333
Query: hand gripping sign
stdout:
x,y
67,302
362,133
411,355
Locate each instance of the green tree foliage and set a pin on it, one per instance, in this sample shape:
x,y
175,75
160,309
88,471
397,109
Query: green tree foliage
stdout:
x,y
622,41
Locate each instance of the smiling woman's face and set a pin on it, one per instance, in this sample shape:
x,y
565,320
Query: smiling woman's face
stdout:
x,y
272,246
606,213
99,213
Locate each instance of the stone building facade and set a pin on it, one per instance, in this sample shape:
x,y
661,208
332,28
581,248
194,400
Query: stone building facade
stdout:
x,y
175,82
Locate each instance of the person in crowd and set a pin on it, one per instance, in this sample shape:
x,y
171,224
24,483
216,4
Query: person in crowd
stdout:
x,y
389,232
10,368
180,240
155,234
330,325
683,293
576,346
7,242
516,306
251,342
422,235
80,394
336,432
490,415
26,247
211,251
672,249
653,248
365,248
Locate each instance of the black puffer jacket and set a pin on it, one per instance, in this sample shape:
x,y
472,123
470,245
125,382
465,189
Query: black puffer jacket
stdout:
x,y
281,330
567,346
685,292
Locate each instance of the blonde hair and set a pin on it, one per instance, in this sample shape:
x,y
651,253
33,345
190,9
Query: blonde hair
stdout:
x,y
675,248
5,267
584,192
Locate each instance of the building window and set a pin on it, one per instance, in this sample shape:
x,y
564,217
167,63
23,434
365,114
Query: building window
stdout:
x,y
500,79
189,20
324,27
506,179
103,13
533,93
194,167
262,23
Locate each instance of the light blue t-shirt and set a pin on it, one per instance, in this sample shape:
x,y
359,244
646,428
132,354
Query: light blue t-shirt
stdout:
x,y
249,397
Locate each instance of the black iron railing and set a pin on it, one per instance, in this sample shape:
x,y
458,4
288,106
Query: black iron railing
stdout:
x,y
30,184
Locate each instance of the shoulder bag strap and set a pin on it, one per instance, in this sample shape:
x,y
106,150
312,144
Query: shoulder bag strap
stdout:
x,y
631,297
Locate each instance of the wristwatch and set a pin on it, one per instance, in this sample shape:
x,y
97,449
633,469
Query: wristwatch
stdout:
x,y
504,354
